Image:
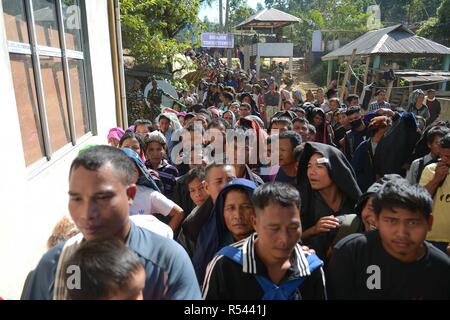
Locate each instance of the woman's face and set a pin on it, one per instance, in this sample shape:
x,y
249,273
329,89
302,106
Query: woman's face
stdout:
x,y
233,108
132,144
333,105
155,152
320,94
228,117
420,99
214,116
317,120
237,212
368,215
317,173
272,87
246,99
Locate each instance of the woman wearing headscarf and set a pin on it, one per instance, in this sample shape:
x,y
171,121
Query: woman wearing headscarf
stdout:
x,y
229,222
260,139
417,105
202,90
114,136
394,151
229,117
156,152
247,98
329,192
174,125
215,113
323,128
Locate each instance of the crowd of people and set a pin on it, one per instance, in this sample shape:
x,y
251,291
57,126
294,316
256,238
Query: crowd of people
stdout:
x,y
245,189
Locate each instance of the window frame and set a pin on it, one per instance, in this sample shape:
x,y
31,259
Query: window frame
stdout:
x,y
35,51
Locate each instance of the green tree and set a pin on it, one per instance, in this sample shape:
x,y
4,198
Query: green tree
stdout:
x,y
239,11
438,28
259,6
208,26
150,29
339,15
407,11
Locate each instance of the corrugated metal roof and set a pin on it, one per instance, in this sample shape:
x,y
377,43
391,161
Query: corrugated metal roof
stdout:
x,y
422,73
392,40
268,18
425,78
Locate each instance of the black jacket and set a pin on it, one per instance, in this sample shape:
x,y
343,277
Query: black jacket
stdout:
x,y
193,224
181,195
397,145
343,176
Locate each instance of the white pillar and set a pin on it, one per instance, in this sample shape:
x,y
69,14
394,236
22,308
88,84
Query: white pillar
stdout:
x,y
290,66
258,65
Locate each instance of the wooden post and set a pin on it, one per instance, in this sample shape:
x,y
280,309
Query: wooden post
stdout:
x,y
258,64
346,75
389,89
356,86
339,74
329,71
366,73
290,66
389,86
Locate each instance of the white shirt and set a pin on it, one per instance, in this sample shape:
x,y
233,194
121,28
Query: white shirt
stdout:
x,y
150,222
149,201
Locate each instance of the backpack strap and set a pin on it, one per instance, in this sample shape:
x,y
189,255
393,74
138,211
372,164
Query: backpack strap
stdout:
x,y
70,246
420,169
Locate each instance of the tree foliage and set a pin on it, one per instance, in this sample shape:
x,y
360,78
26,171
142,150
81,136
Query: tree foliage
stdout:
x,y
438,28
239,11
151,28
342,15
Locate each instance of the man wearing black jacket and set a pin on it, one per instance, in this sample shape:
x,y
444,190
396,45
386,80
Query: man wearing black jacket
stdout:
x,y
393,262
271,256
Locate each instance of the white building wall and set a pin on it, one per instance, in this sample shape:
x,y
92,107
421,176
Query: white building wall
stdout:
x,y
275,49
30,207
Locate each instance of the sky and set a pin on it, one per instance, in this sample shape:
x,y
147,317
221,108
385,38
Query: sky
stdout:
x,y
213,12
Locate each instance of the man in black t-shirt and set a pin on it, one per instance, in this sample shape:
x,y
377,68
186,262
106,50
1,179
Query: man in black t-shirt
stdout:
x,y
395,261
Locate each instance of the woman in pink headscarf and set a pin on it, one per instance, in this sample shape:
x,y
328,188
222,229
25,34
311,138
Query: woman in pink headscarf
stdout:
x,y
215,113
114,136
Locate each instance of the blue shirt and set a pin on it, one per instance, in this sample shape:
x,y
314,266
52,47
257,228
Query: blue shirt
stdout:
x,y
283,177
170,143
168,269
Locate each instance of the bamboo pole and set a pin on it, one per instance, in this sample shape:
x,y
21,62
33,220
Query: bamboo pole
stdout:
x,y
347,72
